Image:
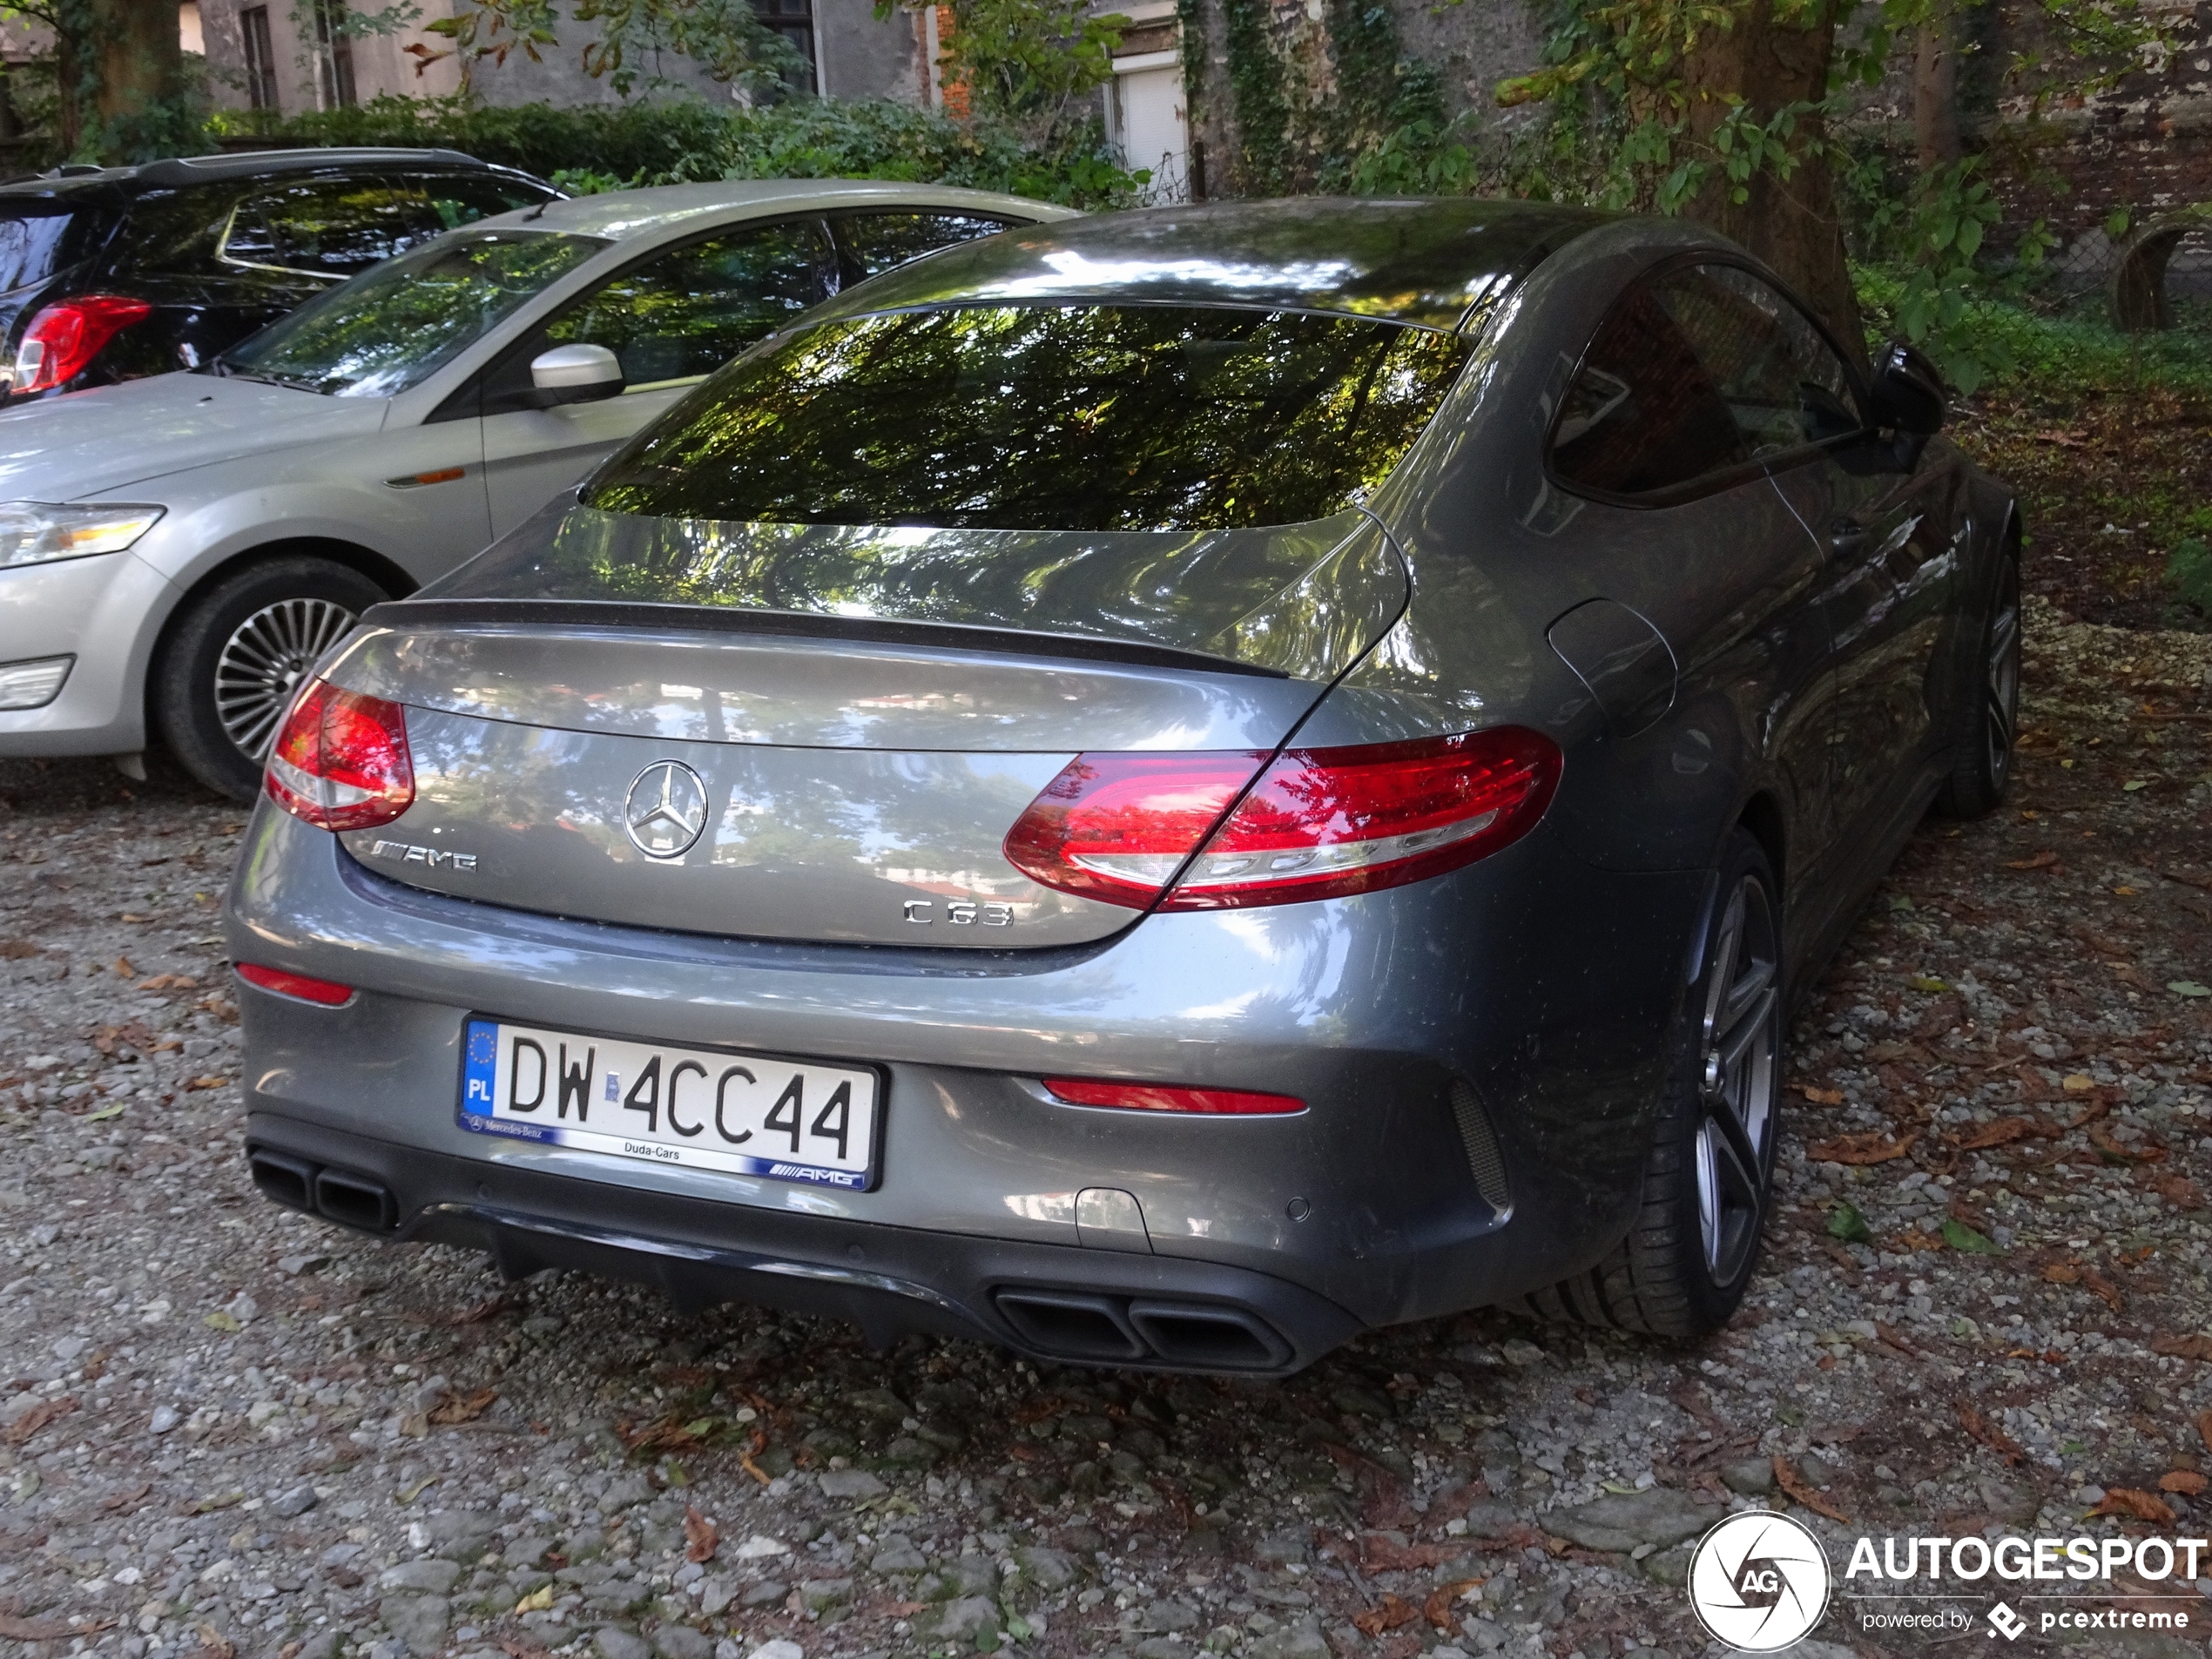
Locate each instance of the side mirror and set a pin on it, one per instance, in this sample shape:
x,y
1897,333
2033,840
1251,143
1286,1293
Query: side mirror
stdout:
x,y
574,374
1907,392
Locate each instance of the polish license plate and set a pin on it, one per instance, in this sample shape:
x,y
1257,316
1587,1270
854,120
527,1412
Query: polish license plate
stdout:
x,y
702,1108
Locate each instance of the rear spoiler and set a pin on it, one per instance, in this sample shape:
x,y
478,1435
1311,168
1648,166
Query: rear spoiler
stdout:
x,y
403,614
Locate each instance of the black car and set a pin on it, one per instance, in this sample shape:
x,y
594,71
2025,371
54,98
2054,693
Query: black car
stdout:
x,y
109,273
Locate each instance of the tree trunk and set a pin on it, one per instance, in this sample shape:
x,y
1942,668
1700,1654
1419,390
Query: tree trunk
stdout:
x,y
1935,94
121,72
1790,223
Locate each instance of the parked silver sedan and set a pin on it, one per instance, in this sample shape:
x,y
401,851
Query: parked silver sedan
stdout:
x,y
175,551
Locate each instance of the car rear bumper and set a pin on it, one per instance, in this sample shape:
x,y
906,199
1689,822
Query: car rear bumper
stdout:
x,y
1479,1055
1051,1301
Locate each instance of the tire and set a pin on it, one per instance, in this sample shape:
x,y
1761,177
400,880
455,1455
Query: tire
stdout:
x,y
1986,717
224,672
1709,1179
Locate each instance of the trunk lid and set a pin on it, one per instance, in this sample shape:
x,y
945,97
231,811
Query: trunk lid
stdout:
x,y
825,734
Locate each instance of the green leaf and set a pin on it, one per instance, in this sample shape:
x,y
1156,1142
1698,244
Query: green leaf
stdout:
x,y
1923,983
104,1113
2133,785
219,1320
2188,988
1959,1236
1847,1224
2116,223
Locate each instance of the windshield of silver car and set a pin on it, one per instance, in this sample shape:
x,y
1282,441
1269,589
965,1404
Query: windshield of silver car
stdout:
x,y
1078,417
396,324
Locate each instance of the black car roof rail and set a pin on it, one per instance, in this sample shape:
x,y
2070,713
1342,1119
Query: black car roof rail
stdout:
x,y
180,170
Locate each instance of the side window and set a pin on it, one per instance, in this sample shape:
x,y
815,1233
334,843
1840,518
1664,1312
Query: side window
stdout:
x,y
1643,414
875,242
436,202
689,310
1782,381
328,227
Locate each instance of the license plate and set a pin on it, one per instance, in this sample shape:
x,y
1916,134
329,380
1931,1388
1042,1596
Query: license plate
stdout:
x,y
704,1109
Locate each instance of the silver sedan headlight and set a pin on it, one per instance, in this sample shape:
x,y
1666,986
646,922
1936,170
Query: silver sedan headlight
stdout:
x,y
36,532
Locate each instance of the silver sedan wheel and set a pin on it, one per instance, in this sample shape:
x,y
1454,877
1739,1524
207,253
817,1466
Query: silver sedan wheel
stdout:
x,y
1739,1046
262,661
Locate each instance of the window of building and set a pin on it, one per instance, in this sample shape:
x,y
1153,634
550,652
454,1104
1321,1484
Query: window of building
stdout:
x,y
334,55
261,58
794,21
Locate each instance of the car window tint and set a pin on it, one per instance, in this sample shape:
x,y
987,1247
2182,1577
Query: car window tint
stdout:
x,y
875,242
1047,417
1782,383
378,336
445,201
689,310
1644,415
324,227
40,239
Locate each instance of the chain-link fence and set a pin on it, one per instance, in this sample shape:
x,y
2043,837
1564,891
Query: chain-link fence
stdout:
x,y
2159,275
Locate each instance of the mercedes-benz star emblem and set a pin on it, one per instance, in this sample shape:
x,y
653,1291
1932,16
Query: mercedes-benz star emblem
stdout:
x,y
666,810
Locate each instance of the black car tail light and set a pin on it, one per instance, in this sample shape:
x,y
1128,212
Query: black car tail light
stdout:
x,y
63,338
1318,823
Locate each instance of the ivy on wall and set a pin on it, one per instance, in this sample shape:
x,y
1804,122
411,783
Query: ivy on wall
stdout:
x,y
1316,93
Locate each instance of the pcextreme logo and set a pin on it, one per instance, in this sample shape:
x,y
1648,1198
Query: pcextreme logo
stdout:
x,y
1758,1581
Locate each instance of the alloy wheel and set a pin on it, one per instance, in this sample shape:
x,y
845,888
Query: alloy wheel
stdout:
x,y
262,661
1739,1049
2002,679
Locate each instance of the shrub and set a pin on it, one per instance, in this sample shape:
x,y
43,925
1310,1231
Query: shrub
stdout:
x,y
688,140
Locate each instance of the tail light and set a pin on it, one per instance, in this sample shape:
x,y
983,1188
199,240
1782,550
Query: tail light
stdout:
x,y
341,760
63,338
1162,1097
323,991
1318,823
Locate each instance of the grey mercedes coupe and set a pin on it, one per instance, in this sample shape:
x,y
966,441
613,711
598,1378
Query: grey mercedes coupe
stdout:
x,y
1160,790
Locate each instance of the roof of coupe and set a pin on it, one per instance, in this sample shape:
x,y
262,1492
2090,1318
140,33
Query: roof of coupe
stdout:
x,y
1431,264
624,213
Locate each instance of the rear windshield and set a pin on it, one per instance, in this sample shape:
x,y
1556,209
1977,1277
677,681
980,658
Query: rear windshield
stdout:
x,y
394,325
39,238
1045,417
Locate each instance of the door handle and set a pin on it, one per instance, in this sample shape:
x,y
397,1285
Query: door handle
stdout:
x,y
1845,537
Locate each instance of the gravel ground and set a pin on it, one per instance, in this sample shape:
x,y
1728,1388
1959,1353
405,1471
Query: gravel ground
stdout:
x,y
225,1429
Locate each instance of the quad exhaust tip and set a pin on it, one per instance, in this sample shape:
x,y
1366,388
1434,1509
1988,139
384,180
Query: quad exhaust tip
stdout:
x,y
341,1195
1113,1330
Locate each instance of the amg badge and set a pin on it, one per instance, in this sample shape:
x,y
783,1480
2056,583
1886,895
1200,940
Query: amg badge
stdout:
x,y
435,857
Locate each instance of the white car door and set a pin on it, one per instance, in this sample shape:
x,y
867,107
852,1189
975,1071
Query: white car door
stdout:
x,y
670,319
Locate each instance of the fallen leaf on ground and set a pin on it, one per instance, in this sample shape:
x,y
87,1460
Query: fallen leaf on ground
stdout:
x,y
1961,1237
2075,1082
210,1081
123,968
1800,1490
2204,1429
1988,1433
538,1601
1890,1336
2062,1274
2139,1506
1846,1225
1821,1096
1872,1147
1380,1553
2003,1132
50,1629
2188,988
2177,1190
1438,1608
701,1537
2104,1288
125,1499
169,982
1393,1611
2042,861
36,1418
2189,1347
2188,1482
2104,1142
463,1408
